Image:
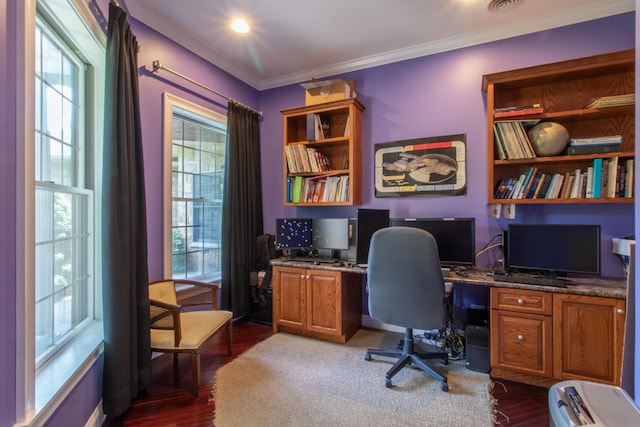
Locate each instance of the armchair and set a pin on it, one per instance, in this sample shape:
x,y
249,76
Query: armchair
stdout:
x,y
174,330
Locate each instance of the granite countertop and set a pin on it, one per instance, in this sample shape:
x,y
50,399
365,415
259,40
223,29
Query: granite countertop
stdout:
x,y
598,286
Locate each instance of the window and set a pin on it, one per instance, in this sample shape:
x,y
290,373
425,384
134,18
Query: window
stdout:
x,y
60,58
197,151
64,228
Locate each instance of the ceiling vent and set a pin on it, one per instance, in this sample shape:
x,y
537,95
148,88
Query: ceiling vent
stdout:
x,y
502,5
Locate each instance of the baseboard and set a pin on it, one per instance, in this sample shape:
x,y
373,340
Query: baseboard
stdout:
x,y
97,417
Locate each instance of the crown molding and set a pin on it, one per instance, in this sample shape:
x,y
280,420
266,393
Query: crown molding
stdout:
x,y
257,81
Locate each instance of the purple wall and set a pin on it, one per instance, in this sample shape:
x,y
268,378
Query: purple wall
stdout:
x,y
8,214
153,47
428,96
441,95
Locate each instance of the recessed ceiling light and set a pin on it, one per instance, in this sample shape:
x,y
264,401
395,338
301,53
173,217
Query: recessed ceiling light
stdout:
x,y
240,26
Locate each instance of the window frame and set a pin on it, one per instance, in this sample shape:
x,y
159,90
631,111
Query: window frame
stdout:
x,y
171,102
39,392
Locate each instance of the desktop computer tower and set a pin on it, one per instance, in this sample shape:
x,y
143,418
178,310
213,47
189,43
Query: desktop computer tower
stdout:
x,y
477,348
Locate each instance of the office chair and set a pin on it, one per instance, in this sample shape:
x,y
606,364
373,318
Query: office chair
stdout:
x,y
406,289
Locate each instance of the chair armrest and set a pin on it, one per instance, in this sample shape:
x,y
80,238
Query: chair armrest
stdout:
x,y
161,319
214,287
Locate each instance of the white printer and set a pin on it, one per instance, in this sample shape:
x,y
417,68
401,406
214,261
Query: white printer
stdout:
x,y
578,403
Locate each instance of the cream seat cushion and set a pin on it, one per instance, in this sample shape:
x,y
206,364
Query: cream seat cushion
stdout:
x,y
197,327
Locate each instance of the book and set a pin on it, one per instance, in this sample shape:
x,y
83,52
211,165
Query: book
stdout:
x,y
566,185
545,186
598,140
499,143
611,177
528,180
539,186
592,149
575,190
611,101
589,183
535,182
510,143
521,110
629,177
556,184
297,189
597,178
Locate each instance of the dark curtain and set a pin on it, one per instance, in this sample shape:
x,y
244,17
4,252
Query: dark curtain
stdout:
x,y
242,207
127,356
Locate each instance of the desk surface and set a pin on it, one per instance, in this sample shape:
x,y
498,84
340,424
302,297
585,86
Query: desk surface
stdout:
x,y
592,286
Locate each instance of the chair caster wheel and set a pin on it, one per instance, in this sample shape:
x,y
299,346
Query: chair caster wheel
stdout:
x,y
445,361
445,387
367,357
388,384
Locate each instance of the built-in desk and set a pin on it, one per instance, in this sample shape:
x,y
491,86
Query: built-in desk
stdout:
x,y
539,334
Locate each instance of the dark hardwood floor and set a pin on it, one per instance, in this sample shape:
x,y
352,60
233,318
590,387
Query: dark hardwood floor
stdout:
x,y
169,401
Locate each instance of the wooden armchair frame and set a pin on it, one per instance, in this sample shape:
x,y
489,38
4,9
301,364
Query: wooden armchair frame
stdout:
x,y
174,330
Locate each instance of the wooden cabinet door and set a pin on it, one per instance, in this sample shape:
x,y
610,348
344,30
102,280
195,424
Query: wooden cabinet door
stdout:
x,y
324,302
289,297
588,338
521,342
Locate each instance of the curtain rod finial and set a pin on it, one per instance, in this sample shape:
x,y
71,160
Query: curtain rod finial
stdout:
x,y
156,66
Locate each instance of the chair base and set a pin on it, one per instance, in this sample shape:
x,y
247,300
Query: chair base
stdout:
x,y
407,356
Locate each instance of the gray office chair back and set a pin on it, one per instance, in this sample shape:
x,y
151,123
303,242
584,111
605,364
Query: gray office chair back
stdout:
x,y
405,283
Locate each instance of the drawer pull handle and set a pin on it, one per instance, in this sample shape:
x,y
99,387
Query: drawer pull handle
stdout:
x,y
308,277
302,276
620,311
520,338
520,301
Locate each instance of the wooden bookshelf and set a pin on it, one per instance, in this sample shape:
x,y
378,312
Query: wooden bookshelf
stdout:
x,y
563,89
315,157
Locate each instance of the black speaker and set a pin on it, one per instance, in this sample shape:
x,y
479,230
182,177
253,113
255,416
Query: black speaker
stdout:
x,y
477,348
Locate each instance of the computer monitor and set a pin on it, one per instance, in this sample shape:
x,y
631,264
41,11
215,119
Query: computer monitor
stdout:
x,y
455,237
368,222
330,233
554,249
293,233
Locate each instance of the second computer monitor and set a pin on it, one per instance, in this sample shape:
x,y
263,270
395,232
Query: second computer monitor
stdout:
x,y
455,238
368,222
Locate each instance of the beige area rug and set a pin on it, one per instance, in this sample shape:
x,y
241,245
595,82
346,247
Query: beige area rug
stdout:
x,y
289,380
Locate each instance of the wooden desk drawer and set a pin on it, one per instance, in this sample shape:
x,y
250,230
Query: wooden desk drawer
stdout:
x,y
523,301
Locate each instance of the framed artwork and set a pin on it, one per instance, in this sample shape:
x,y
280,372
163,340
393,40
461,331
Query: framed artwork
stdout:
x,y
421,167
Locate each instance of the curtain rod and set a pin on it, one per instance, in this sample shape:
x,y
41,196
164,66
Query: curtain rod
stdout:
x,y
158,66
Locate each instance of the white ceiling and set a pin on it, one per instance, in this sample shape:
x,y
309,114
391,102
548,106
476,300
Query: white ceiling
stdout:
x,y
295,40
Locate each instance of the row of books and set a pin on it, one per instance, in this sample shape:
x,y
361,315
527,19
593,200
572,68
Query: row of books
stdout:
x,y
605,178
301,158
512,141
318,189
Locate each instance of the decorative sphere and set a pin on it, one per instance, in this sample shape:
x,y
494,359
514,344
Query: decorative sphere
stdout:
x,y
548,138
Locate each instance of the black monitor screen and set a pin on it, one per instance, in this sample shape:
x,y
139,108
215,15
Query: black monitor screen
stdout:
x,y
330,233
368,222
293,233
554,248
455,237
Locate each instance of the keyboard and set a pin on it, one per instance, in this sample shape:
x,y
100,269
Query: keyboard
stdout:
x,y
313,259
530,279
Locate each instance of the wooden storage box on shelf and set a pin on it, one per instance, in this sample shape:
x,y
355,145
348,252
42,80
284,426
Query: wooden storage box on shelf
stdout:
x,y
323,148
563,89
